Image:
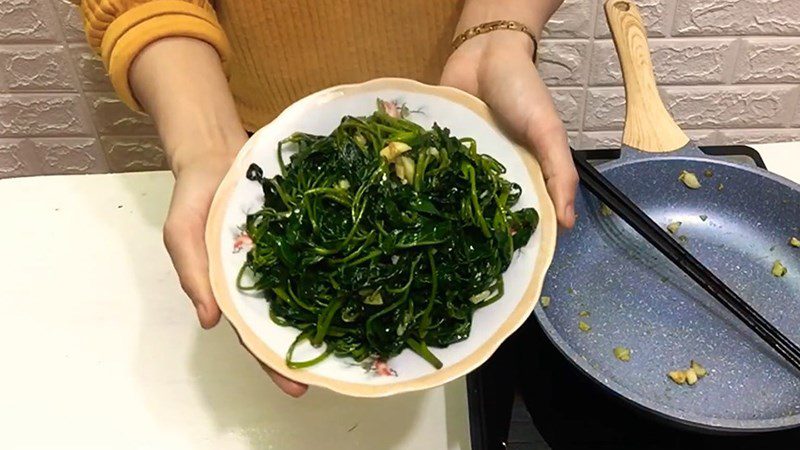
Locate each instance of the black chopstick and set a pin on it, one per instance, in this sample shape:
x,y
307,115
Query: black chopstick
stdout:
x,y
618,202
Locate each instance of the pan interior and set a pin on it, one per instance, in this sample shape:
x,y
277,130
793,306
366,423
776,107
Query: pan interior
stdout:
x,y
738,223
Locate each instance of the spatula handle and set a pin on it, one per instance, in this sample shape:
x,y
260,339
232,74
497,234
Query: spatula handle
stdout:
x,y
648,124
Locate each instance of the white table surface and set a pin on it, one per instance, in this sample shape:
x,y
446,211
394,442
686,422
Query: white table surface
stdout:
x,y
100,349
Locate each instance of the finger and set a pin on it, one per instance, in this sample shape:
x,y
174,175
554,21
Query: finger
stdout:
x,y
552,150
290,387
184,237
524,104
287,385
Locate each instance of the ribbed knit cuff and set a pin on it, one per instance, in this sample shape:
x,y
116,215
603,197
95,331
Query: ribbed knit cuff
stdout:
x,y
142,25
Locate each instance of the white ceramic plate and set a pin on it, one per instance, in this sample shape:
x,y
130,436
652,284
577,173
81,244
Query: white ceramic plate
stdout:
x,y
320,113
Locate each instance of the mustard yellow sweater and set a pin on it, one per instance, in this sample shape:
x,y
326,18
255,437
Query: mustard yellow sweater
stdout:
x,y
276,51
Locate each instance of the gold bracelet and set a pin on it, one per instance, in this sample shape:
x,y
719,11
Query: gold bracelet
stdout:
x,y
488,27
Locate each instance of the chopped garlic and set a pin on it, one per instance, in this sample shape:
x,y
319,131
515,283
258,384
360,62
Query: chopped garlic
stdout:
x,y
794,242
404,169
584,326
778,269
678,376
374,299
393,150
673,227
698,369
691,377
605,210
545,301
623,354
689,179
480,297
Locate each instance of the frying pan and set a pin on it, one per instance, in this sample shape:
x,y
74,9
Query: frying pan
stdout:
x,y
737,223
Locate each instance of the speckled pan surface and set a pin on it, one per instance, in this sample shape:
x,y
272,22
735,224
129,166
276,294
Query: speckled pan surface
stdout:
x,y
637,299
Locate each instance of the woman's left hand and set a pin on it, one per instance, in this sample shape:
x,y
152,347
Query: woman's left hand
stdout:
x,y
497,67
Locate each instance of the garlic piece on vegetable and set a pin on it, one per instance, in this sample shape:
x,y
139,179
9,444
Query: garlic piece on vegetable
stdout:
x,y
678,376
794,242
691,377
623,354
393,150
374,299
480,297
778,269
404,169
689,179
673,227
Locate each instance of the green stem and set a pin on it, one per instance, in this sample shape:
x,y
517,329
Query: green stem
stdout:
x,y
422,350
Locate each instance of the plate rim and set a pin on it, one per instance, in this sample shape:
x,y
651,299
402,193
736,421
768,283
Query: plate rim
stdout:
x,y
219,285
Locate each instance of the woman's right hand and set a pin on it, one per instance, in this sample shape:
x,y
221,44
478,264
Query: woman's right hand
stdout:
x,y
184,231
181,84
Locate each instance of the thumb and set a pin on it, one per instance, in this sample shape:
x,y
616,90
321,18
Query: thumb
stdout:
x,y
184,237
549,142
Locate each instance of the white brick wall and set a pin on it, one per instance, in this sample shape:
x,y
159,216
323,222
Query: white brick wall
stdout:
x,y
58,113
729,71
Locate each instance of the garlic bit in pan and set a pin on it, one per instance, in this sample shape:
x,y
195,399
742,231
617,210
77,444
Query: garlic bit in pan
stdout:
x,y
545,301
690,375
794,242
622,353
673,227
778,269
689,179
698,369
678,376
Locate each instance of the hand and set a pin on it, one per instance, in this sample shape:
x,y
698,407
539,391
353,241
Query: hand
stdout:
x,y
184,237
181,84
497,67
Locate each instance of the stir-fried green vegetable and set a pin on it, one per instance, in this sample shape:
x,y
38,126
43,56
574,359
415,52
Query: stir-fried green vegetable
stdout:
x,y
382,236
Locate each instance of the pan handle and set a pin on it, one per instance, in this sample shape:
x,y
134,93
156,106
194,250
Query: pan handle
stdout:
x,y
648,125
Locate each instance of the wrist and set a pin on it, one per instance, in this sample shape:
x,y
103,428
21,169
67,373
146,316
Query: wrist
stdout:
x,y
201,135
499,44
181,84
207,146
534,14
